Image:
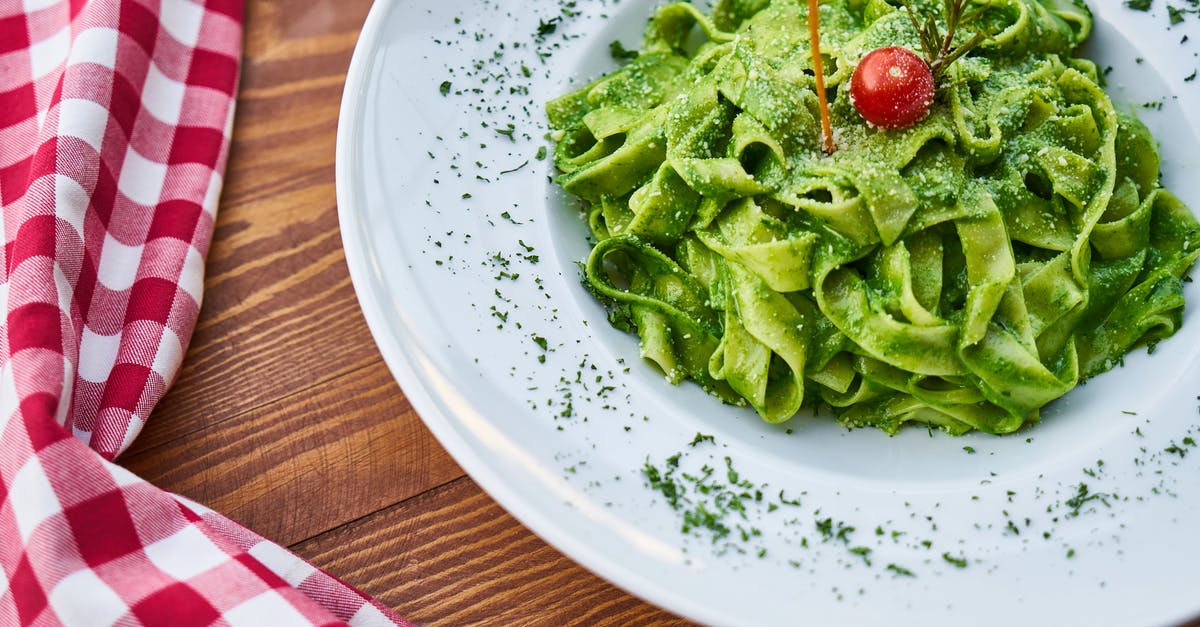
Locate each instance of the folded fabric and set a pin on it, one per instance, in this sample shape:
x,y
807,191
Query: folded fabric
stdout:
x,y
115,118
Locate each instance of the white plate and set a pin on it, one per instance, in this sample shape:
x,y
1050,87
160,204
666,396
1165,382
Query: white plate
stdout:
x,y
424,262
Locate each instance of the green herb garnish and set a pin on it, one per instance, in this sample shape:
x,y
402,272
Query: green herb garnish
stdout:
x,y
863,552
958,562
620,53
1082,496
939,47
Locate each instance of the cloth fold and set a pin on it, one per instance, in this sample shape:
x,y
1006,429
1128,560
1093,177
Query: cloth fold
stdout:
x,y
115,121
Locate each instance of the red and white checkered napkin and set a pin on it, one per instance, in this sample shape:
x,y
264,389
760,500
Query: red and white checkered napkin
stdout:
x,y
115,118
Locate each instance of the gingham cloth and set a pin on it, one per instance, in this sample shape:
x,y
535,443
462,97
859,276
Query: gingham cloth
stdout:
x,y
115,118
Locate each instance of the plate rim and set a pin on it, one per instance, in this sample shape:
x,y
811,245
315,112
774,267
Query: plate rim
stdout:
x,y
416,389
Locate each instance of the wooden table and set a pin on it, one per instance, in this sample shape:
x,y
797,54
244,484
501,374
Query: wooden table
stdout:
x,y
285,417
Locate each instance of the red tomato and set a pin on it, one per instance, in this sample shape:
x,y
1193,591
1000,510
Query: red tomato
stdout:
x,y
892,87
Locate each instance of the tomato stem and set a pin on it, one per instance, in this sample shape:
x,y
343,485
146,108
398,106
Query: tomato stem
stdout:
x,y
819,72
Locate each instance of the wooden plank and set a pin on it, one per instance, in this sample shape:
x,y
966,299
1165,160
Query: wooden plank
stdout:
x,y
307,463
290,326
452,556
277,280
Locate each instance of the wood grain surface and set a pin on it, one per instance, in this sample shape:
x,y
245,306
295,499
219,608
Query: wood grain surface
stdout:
x,y
284,416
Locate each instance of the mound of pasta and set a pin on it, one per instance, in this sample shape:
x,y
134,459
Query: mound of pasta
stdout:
x,y
962,272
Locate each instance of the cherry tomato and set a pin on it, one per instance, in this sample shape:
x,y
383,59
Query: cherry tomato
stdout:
x,y
892,87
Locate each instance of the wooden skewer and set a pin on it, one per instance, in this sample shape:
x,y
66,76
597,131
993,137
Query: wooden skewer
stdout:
x,y
823,101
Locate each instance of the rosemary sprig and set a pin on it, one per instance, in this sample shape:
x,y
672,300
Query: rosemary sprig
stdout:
x,y
939,48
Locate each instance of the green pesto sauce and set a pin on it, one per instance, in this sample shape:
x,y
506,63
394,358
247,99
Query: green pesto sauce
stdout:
x,y
961,273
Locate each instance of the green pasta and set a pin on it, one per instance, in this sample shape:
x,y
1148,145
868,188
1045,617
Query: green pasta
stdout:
x,y
962,272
